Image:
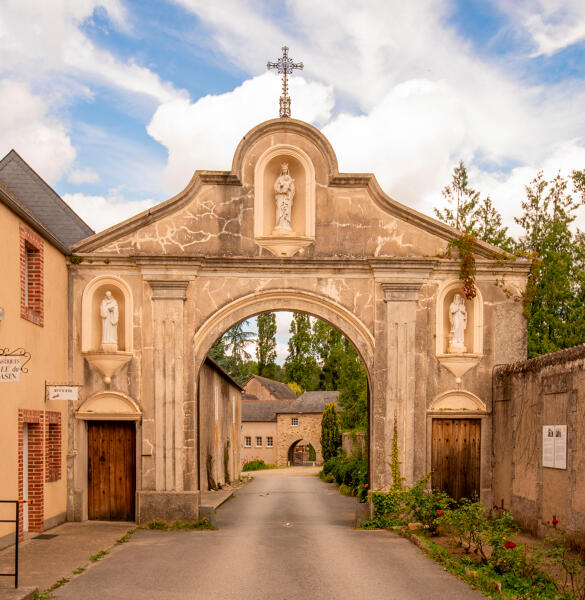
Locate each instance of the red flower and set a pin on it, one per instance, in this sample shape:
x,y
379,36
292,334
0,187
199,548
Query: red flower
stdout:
x,y
509,545
365,485
555,521
440,512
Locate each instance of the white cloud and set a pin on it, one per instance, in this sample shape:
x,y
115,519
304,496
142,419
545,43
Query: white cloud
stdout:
x,y
26,127
80,176
101,212
205,134
551,24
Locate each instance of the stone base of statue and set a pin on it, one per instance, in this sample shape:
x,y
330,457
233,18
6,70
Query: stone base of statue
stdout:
x,y
281,231
109,347
456,349
108,362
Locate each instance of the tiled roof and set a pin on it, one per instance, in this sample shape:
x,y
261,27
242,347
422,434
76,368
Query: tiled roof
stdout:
x,y
309,402
42,201
279,390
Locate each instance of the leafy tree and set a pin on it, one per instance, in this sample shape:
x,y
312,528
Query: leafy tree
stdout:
x,y
328,348
300,365
266,345
353,389
555,314
467,212
330,432
230,353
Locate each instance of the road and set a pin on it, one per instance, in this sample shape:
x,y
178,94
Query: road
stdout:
x,y
284,536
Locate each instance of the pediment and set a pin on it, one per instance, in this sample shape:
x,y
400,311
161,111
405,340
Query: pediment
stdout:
x,y
109,405
232,213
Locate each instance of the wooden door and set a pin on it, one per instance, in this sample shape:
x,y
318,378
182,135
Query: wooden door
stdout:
x,y
111,470
456,457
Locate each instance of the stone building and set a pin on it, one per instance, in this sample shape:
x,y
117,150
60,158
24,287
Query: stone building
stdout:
x,y
264,389
36,229
272,430
539,455
338,248
220,402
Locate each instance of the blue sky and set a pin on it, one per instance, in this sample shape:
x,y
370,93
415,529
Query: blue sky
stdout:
x,y
117,102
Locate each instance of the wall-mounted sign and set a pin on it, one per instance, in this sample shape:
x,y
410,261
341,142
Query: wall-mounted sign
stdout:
x,y
554,446
63,392
10,368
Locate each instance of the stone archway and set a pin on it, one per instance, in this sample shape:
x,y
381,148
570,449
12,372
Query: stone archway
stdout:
x,y
212,256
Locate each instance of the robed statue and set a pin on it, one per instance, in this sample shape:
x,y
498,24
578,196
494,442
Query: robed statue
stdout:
x,y
458,320
284,188
109,314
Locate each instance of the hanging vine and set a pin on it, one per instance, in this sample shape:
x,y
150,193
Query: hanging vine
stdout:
x,y
466,248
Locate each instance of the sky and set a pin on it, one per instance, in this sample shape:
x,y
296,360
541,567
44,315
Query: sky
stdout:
x,y
115,103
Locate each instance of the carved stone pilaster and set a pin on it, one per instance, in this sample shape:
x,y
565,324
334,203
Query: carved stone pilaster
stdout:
x,y
401,299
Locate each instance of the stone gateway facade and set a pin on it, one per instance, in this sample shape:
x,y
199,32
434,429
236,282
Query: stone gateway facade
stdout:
x,y
186,270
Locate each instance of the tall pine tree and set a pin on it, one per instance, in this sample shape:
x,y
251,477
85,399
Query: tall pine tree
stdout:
x,y
266,345
300,365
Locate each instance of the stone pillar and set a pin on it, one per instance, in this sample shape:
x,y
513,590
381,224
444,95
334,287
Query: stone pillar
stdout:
x,y
168,501
400,298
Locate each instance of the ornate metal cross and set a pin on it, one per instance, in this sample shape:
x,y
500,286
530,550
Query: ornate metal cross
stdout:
x,y
284,66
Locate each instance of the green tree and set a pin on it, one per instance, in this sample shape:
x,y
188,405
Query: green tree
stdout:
x,y
467,212
330,432
353,389
266,345
230,353
555,313
328,348
300,365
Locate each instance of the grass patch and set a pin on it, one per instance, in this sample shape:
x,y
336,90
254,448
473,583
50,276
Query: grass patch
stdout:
x,y
126,537
98,556
257,465
199,525
79,571
46,595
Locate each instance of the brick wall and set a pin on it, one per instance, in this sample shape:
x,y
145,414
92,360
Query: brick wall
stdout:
x,y
32,286
44,461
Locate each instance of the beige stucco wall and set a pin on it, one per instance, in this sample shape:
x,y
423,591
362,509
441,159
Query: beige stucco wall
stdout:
x,y
549,390
265,453
375,269
48,348
220,431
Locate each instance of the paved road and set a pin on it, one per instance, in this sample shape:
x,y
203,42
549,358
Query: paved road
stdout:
x,y
280,538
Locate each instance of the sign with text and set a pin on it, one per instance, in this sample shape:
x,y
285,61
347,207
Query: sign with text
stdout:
x,y
554,446
10,368
63,392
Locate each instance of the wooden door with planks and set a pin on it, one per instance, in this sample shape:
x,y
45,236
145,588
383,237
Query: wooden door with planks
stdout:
x,y
111,470
455,461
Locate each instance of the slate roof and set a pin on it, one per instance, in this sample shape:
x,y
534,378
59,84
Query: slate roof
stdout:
x,y
276,388
309,402
42,201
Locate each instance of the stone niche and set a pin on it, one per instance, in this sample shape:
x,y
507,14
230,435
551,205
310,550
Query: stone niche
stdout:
x,y
107,360
459,360
267,171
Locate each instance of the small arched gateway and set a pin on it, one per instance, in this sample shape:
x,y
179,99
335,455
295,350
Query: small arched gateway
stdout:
x,y
236,243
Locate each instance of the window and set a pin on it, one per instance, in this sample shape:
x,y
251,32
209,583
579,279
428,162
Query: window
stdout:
x,y
269,441
294,421
31,276
248,441
258,441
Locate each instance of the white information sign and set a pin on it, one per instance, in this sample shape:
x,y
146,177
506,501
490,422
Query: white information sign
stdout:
x,y
548,446
10,367
554,446
63,392
560,447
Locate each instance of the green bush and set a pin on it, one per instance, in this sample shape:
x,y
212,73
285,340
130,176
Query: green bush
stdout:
x,y
346,471
257,465
426,506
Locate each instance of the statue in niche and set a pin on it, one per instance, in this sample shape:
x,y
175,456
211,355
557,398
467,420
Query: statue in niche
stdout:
x,y
458,320
109,314
284,188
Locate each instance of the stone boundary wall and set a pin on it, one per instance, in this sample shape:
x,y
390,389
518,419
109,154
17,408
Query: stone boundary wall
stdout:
x,y
544,391
350,441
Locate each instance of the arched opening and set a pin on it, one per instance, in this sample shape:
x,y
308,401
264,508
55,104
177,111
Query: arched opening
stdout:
x,y
283,435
